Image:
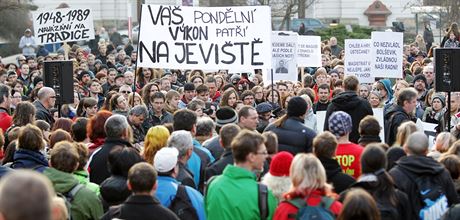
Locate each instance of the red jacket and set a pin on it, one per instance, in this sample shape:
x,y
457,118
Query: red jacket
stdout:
x,y
349,157
5,121
285,209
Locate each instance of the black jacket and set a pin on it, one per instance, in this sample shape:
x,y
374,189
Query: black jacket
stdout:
x,y
421,166
335,175
401,211
185,176
42,113
393,118
98,164
114,191
214,146
218,166
355,106
139,207
293,136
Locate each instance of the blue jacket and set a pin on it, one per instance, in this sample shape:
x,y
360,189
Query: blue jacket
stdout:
x,y
28,159
166,192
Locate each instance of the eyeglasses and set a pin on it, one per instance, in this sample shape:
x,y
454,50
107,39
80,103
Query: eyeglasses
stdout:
x,y
125,92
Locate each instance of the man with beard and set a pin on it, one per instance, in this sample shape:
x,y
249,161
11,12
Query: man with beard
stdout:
x,y
323,98
420,84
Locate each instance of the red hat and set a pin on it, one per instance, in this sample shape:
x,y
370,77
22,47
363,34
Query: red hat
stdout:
x,y
281,163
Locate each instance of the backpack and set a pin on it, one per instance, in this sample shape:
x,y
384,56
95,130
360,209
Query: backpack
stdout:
x,y
262,197
433,200
306,212
69,196
182,206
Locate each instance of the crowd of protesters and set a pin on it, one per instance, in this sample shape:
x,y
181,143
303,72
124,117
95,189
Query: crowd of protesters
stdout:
x,y
143,143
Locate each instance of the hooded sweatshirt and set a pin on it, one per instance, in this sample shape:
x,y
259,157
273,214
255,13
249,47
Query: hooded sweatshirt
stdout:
x,y
422,166
387,84
355,106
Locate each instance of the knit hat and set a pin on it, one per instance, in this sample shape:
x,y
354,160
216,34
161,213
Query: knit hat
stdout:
x,y
189,87
264,107
441,98
165,159
297,106
420,77
82,73
37,80
225,115
280,164
340,123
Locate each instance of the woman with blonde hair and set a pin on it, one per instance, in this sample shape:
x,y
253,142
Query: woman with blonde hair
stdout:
x,y
155,139
134,99
172,101
396,151
443,142
420,42
308,185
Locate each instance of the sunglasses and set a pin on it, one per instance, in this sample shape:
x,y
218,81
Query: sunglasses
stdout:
x,y
125,92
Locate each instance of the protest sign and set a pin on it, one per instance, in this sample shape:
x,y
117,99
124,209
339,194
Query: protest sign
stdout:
x,y
205,37
358,59
387,54
378,114
63,25
284,53
320,119
430,130
309,51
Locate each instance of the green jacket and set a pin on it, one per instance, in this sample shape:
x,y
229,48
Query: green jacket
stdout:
x,y
234,195
83,177
86,205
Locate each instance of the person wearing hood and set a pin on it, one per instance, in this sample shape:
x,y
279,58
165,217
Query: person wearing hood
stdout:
x,y
293,135
417,165
351,103
383,87
392,203
310,117
399,113
435,113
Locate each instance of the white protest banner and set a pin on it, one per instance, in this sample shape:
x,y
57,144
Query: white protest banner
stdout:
x,y
205,37
430,130
63,25
320,119
358,59
309,51
378,113
284,53
387,54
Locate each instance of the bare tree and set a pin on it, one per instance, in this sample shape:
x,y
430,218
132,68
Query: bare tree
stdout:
x,y
15,19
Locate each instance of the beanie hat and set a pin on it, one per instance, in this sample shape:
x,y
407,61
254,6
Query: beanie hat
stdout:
x,y
82,73
37,80
297,106
264,107
189,87
420,77
340,123
226,115
280,164
441,98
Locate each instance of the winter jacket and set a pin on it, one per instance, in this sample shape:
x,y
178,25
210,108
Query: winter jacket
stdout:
x,y
167,189
28,159
5,120
400,211
98,166
285,210
421,166
335,176
349,157
114,191
310,120
185,176
213,145
42,113
451,44
293,136
85,204
355,106
138,207
83,177
393,118
28,46
234,195
218,166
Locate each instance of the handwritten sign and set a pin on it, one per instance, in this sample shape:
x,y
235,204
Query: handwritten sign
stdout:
x,y
284,54
205,37
358,59
63,25
309,51
387,54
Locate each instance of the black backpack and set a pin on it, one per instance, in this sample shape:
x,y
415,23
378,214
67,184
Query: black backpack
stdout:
x,y
432,198
182,205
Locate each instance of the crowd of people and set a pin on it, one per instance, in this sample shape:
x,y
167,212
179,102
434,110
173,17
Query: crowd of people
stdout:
x,y
143,143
